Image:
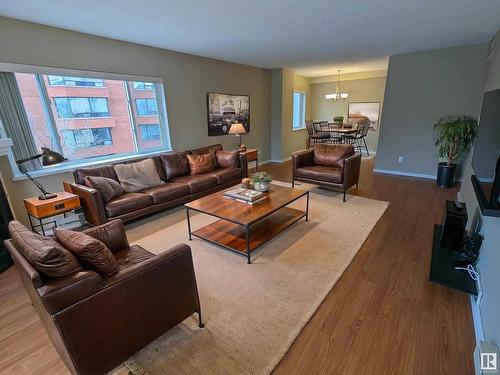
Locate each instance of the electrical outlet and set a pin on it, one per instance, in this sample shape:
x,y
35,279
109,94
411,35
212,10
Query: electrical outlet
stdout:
x,y
401,159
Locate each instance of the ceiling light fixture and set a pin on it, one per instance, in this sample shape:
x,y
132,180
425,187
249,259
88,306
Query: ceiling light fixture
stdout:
x,y
338,96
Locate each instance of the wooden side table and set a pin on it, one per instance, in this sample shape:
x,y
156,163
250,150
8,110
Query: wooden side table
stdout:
x,y
252,155
41,209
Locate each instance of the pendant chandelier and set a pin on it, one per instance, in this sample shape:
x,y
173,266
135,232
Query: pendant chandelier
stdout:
x,y
338,96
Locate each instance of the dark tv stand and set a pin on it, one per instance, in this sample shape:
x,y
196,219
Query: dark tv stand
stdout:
x,y
487,206
443,267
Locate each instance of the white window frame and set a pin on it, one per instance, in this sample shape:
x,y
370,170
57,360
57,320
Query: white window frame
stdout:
x,y
302,111
70,166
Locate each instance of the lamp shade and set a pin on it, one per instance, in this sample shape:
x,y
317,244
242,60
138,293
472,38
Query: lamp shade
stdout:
x,y
237,129
51,157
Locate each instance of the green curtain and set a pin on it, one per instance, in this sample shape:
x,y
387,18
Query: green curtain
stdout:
x,y
15,121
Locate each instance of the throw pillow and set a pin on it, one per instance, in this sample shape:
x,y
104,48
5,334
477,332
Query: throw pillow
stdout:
x,y
138,176
45,254
175,164
89,251
228,159
108,187
201,163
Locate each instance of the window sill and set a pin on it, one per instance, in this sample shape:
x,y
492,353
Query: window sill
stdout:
x,y
299,129
72,166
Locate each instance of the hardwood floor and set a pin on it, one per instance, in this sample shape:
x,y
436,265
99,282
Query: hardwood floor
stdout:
x,y
382,317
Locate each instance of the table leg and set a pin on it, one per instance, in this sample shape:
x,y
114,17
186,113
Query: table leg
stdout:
x,y
257,165
31,223
247,235
41,226
189,224
307,207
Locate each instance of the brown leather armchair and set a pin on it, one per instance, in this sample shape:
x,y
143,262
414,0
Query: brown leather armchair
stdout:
x,y
97,322
330,165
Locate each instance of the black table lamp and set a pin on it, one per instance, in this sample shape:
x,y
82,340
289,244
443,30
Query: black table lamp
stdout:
x,y
49,157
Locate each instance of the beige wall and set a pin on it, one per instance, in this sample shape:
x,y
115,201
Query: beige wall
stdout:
x,y
187,80
359,90
284,140
422,87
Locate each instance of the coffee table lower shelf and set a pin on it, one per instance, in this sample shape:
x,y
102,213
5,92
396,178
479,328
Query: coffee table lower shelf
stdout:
x,y
234,237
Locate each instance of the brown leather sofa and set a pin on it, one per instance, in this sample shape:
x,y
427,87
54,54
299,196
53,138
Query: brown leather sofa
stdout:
x,y
176,190
335,166
97,322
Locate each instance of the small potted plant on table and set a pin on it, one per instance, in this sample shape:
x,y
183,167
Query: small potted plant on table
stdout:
x,y
455,136
261,181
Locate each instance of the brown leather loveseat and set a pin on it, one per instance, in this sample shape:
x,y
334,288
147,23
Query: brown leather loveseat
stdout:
x,y
96,322
179,186
335,166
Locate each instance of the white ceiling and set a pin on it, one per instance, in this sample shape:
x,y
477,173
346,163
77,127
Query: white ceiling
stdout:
x,y
313,37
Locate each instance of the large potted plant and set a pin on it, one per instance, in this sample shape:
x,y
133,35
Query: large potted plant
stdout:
x,y
455,135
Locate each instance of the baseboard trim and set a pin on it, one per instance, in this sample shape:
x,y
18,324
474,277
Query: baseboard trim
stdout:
x,y
476,319
406,174
277,160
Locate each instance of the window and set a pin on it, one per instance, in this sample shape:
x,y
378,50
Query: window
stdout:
x,y
146,107
83,138
86,128
143,85
150,132
299,110
81,107
74,81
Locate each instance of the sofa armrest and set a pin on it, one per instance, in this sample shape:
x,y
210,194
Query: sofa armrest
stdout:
x,y
352,167
244,164
141,304
112,234
62,292
301,159
91,202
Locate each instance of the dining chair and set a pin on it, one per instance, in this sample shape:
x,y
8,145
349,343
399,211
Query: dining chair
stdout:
x,y
358,140
313,135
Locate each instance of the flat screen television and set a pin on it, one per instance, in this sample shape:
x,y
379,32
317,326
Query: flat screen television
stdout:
x,y
486,158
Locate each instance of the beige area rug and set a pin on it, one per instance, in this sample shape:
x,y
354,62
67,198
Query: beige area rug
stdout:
x,y
253,313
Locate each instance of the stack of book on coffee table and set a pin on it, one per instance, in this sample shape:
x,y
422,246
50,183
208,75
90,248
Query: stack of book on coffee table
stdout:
x,y
246,196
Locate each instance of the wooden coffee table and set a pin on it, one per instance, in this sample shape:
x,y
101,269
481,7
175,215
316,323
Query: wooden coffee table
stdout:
x,y
243,228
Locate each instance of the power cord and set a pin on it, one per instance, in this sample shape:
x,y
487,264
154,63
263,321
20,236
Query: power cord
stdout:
x,y
472,272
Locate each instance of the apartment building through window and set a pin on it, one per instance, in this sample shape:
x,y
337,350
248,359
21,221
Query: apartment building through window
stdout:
x,y
146,107
89,119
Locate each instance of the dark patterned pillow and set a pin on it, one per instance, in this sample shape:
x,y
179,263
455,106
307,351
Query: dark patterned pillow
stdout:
x,y
88,250
228,159
108,187
45,254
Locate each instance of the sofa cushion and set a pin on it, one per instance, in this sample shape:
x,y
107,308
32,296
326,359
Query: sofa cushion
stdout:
x,y
197,183
138,176
112,235
228,159
126,203
199,164
45,254
322,173
331,155
108,187
167,192
130,257
225,175
175,164
89,251
106,171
